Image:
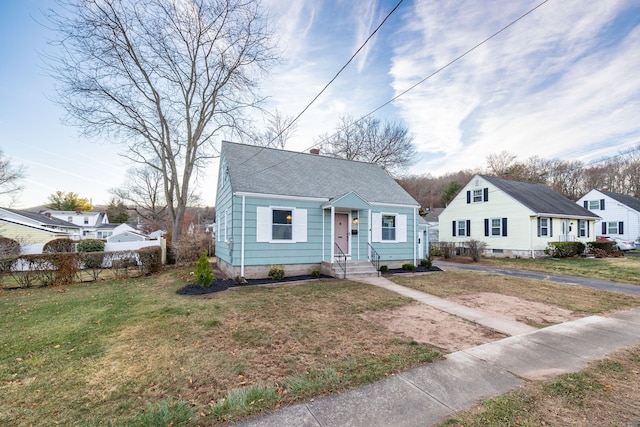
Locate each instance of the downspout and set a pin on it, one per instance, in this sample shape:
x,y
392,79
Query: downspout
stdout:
x,y
533,253
369,232
415,236
242,239
323,234
333,209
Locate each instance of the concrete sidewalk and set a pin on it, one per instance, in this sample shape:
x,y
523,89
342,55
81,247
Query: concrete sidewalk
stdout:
x,y
424,396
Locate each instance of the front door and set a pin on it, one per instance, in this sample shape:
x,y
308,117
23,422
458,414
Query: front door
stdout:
x,y
341,232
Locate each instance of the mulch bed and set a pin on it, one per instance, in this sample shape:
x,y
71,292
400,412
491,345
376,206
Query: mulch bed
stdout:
x,y
224,284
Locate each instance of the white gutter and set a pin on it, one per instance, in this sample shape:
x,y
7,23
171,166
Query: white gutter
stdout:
x,y
415,236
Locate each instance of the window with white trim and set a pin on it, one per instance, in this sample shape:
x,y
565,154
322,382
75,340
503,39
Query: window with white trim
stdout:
x,y
461,227
582,228
282,224
544,227
477,196
389,227
612,227
496,227
278,224
594,205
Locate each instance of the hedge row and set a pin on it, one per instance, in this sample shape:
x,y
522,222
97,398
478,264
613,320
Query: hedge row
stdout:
x,y
62,268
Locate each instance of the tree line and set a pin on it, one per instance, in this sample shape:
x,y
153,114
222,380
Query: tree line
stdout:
x,y
571,178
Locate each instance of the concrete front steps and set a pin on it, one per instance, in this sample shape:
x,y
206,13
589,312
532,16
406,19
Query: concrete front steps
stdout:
x,y
355,269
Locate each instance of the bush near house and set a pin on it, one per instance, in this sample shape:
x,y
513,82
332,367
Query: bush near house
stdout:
x,y
565,249
596,247
58,246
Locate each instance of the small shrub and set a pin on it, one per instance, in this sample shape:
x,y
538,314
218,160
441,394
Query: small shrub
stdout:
x,y
607,246
276,272
598,253
564,249
9,253
315,273
427,263
204,272
91,245
475,249
150,259
447,249
384,268
59,246
408,267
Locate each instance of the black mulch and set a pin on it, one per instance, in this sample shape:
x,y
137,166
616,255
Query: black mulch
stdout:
x,y
224,284
419,269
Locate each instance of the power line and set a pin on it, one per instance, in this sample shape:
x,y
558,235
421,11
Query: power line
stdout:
x,y
453,61
332,80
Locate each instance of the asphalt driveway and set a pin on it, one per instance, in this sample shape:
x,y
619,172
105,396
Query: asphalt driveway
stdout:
x,y
572,280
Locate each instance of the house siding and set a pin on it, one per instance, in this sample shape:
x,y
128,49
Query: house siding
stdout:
x,y
613,211
28,236
521,237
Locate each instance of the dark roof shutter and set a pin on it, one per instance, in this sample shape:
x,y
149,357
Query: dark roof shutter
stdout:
x,y
538,226
486,226
485,194
468,196
550,227
586,204
621,227
468,227
453,232
601,204
604,227
504,226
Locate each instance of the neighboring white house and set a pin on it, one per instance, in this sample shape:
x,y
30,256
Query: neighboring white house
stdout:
x,y
514,218
35,221
89,222
620,213
125,233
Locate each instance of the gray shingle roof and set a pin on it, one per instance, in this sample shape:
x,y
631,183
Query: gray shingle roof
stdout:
x,y
630,201
263,170
540,198
43,219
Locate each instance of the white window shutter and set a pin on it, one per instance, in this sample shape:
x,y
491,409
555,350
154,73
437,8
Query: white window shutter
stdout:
x,y
401,228
263,224
299,225
376,227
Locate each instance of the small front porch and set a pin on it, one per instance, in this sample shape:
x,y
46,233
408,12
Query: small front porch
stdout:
x,y
347,250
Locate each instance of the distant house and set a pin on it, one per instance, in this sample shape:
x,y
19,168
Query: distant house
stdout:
x,y
32,227
125,233
514,218
620,213
88,222
309,212
432,218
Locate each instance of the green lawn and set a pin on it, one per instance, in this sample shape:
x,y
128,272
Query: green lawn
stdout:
x,y
117,352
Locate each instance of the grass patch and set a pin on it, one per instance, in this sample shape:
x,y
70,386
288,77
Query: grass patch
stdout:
x,y
245,401
580,299
624,269
605,393
103,353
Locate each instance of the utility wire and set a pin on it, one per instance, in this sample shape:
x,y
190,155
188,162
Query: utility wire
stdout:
x,y
456,59
330,81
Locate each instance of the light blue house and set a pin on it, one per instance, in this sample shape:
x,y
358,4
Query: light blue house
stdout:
x,y
310,212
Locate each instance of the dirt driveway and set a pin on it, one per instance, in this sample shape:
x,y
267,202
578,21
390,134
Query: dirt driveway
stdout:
x,y
426,324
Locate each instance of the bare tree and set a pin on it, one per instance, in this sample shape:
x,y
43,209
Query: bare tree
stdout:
x,y
368,140
162,76
142,192
279,129
10,176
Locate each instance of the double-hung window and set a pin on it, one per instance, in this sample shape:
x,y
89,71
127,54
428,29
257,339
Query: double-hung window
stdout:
x,y
582,229
544,227
462,228
477,196
496,226
388,227
282,225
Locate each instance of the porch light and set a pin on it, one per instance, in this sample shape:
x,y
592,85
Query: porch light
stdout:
x,y
355,221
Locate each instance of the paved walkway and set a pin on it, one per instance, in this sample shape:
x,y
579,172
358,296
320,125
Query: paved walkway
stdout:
x,y
424,396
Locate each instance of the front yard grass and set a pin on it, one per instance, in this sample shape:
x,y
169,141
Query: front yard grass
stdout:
x,y
120,353
624,269
580,299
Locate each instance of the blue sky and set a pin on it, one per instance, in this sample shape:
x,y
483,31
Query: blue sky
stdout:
x,y
561,83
